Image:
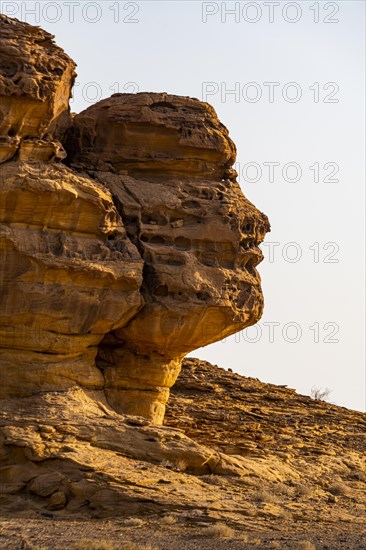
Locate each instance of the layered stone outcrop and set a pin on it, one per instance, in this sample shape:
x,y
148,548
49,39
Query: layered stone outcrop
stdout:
x,y
64,284
153,135
136,249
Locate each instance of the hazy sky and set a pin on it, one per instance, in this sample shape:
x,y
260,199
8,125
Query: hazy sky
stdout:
x,y
296,114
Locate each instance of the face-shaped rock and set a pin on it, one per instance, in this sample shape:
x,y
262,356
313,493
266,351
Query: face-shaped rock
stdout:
x,y
167,161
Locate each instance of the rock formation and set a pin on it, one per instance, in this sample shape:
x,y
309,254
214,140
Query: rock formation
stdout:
x,y
125,243
167,162
137,249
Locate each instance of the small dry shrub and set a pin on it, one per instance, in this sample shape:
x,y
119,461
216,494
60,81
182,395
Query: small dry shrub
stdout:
x,y
339,489
306,545
285,515
284,489
219,530
303,490
265,496
320,394
168,520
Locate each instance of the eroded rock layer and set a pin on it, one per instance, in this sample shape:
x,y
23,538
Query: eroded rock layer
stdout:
x,y
255,457
64,284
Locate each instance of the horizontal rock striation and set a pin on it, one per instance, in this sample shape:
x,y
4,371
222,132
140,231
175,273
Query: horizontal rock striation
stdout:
x,y
249,454
63,283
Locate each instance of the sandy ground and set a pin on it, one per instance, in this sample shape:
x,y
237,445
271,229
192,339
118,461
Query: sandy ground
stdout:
x,y
51,534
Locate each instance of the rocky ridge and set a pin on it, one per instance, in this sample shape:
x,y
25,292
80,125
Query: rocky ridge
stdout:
x,y
36,78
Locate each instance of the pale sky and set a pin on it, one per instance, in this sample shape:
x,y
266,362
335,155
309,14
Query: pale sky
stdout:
x,y
296,114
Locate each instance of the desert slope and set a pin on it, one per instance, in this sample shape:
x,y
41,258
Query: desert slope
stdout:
x,y
238,462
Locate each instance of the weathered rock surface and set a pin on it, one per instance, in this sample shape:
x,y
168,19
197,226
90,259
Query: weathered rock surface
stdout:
x,y
115,263
36,78
64,284
155,134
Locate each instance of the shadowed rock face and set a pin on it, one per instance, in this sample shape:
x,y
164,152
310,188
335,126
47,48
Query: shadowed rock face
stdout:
x,y
140,250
